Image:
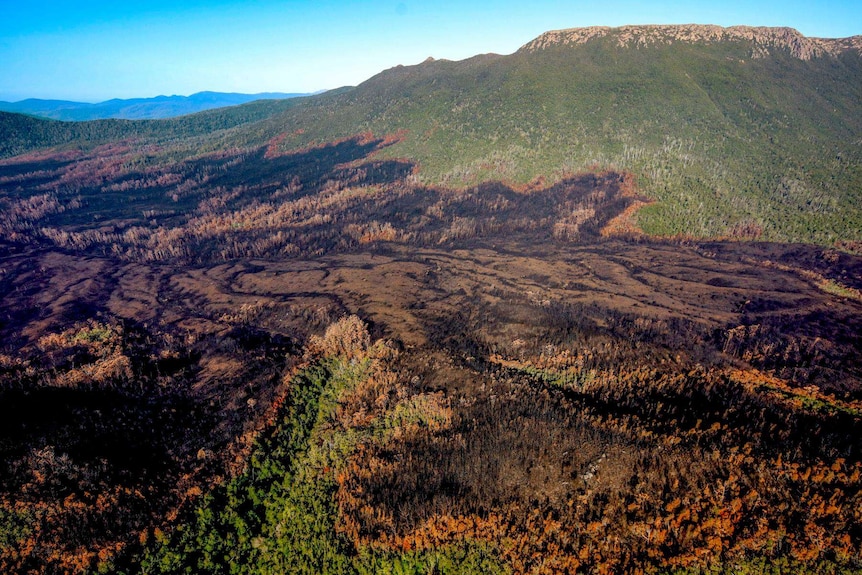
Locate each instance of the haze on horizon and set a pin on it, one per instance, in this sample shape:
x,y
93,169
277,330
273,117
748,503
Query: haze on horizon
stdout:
x,y
101,50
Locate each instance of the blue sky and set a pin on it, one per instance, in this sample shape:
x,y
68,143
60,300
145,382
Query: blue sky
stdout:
x,y
96,50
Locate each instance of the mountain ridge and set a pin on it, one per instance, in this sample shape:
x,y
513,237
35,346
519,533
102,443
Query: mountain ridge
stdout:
x,y
763,37
155,108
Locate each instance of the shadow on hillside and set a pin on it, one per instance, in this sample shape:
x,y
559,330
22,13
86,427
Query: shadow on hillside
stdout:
x,y
118,437
573,210
109,184
308,169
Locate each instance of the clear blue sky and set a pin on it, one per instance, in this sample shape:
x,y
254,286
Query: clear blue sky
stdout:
x,y
96,50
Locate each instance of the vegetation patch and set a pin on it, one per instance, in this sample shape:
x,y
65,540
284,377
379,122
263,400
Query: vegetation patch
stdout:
x,y
282,513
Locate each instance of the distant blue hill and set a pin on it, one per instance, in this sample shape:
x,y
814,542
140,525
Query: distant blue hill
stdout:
x,y
136,108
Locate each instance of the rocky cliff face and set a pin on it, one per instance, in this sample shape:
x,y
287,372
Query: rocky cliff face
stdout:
x,y
763,39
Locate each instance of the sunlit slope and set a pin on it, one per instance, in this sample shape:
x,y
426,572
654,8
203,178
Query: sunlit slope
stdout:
x,y
725,141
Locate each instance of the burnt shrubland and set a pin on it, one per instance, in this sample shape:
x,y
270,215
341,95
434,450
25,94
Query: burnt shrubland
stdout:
x,y
524,383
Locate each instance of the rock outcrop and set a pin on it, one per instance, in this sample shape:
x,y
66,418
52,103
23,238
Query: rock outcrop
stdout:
x,y
763,39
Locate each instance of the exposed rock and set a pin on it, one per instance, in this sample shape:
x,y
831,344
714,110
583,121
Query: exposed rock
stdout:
x,y
763,38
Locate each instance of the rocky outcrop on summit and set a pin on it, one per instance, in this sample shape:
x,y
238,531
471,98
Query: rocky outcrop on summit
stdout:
x,y
763,39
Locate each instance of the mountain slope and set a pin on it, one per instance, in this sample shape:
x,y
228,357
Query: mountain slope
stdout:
x,y
155,108
740,131
752,132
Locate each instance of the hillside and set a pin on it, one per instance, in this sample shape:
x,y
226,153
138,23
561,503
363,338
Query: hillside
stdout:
x,y
734,129
415,326
136,108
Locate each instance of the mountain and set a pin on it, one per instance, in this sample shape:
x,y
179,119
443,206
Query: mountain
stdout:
x,y
591,307
136,108
726,128
735,126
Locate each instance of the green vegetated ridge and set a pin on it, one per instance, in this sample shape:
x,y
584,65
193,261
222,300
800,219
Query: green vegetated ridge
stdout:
x,y
718,138
200,132
280,515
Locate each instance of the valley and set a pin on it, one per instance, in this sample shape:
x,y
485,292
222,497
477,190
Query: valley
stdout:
x,y
309,337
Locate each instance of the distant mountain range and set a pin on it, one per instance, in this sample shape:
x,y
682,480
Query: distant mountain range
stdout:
x,y
137,108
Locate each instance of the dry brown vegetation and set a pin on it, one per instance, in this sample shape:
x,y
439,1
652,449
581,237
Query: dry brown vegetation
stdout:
x,y
591,399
